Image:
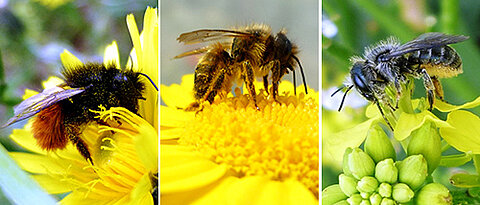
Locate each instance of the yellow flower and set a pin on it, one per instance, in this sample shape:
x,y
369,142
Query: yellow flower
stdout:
x,y
124,149
232,153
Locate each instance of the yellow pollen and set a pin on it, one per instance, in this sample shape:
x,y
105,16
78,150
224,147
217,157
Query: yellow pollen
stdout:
x,y
279,141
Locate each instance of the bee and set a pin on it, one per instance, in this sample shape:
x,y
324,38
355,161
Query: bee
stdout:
x,y
390,64
63,112
240,55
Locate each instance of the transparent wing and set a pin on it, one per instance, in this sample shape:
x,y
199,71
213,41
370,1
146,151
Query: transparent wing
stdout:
x,y
226,45
38,102
205,35
425,41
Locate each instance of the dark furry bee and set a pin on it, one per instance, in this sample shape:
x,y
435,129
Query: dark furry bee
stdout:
x,y
63,112
253,52
389,64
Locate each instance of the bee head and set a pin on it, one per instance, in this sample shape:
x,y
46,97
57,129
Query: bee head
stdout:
x,y
283,45
360,81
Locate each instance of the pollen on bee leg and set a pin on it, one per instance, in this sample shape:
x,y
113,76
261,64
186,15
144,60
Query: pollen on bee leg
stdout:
x,y
48,128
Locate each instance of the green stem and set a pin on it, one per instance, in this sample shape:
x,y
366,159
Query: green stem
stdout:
x,y
476,161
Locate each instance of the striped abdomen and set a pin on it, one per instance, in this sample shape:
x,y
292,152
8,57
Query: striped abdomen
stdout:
x,y
441,62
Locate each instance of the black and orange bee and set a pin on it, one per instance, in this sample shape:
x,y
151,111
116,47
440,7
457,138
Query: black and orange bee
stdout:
x,y
240,55
63,112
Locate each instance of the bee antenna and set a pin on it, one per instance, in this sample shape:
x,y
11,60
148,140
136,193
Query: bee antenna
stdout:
x,y
336,91
344,96
294,83
151,81
303,75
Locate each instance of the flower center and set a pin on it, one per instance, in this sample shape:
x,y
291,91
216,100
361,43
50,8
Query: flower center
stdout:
x,y
279,141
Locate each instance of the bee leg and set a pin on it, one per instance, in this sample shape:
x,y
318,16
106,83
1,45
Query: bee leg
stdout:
x,y
215,86
294,83
383,115
265,83
73,132
398,88
429,86
438,88
248,78
276,75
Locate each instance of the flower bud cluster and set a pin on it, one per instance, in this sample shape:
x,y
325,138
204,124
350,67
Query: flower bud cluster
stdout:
x,y
374,177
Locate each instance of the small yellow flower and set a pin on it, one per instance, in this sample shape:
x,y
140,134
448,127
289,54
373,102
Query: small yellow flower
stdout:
x,y
124,149
232,153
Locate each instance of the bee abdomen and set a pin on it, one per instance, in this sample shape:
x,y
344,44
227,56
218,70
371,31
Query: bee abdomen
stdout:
x,y
442,61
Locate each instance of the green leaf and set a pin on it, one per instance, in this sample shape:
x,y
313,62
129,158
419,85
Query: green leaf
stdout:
x,y
455,160
17,185
464,135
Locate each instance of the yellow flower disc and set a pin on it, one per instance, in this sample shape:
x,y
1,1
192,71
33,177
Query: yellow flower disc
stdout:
x,y
279,141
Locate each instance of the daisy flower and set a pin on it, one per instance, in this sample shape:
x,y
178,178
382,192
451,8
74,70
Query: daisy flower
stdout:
x,y
231,153
124,149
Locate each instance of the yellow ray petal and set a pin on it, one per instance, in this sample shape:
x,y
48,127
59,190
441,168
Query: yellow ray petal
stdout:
x,y
111,55
183,171
69,61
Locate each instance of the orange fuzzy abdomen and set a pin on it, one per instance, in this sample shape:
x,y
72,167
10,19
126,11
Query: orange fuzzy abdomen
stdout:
x,y
48,128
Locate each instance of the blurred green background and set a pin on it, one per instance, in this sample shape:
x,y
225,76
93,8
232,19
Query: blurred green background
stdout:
x,y
300,18
33,33
349,26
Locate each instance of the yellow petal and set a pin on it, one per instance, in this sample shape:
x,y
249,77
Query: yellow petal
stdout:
x,y
183,170
24,138
409,122
176,96
146,144
38,164
464,134
445,107
172,117
52,82
111,56
51,184
69,61
141,192
137,46
261,190
171,133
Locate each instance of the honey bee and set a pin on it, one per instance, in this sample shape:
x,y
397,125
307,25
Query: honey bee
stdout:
x,y
63,112
240,55
390,64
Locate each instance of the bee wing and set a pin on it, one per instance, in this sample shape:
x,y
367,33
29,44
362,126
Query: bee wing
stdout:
x,y
38,102
227,45
205,35
426,41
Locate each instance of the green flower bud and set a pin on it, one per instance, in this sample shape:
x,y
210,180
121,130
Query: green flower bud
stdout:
x,y
375,199
346,169
426,141
355,199
348,184
365,195
367,184
342,202
402,193
387,201
386,171
413,171
385,190
378,145
360,164
365,202
434,194
332,194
